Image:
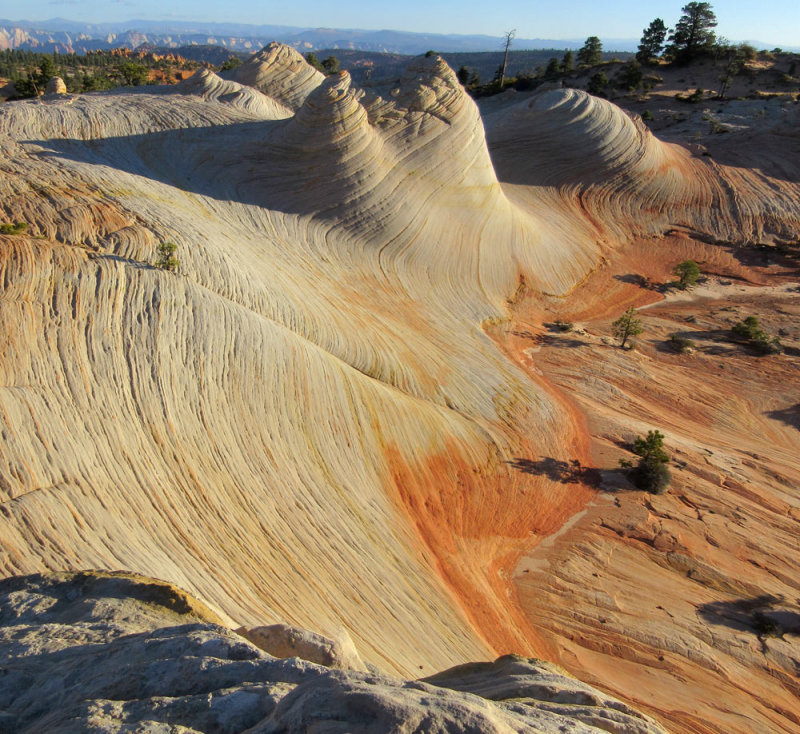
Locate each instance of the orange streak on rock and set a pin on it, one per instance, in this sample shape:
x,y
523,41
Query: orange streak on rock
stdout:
x,y
477,521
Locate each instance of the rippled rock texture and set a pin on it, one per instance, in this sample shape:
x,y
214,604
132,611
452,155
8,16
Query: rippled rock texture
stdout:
x,y
306,423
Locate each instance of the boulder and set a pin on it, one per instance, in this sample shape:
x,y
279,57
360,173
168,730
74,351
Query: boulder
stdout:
x,y
286,641
56,86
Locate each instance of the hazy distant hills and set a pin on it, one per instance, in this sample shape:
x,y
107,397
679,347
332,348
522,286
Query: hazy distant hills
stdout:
x,y
66,36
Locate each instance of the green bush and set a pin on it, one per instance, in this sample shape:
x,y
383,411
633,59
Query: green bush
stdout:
x,y
751,332
680,344
166,259
233,63
651,473
688,272
330,65
16,228
598,83
654,478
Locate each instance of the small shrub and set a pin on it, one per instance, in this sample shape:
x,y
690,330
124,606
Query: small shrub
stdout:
x,y
166,259
688,272
564,325
693,98
680,344
16,228
651,473
751,332
233,62
647,116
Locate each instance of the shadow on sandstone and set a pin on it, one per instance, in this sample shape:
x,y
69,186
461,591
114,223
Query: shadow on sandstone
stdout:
x,y
558,470
765,615
242,162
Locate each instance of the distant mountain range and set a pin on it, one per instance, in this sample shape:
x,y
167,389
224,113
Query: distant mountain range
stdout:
x,y
66,36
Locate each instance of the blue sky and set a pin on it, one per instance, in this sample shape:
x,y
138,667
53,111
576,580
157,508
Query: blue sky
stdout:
x,y
774,22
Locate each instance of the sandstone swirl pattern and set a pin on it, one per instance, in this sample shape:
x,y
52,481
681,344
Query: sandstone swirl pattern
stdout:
x,y
307,423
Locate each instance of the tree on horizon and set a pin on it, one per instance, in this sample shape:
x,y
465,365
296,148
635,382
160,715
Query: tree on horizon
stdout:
x,y
652,41
693,35
591,53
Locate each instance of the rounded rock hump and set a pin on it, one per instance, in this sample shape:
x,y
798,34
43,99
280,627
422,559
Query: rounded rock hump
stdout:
x,y
566,135
429,116
330,115
208,85
56,86
429,85
279,72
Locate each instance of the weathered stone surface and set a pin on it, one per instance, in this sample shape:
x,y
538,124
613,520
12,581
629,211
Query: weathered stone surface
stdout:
x,y
286,641
108,653
309,422
55,85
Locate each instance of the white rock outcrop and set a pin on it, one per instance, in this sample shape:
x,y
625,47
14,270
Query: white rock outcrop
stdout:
x,y
105,653
286,641
55,85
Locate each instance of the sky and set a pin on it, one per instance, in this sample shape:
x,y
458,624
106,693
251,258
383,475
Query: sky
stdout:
x,y
774,22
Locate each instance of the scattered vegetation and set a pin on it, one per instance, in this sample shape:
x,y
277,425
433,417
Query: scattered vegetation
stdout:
x,y
330,64
30,71
688,272
626,327
16,228
166,259
564,325
750,331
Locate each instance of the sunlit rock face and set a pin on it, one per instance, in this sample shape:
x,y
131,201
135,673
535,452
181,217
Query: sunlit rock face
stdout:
x,y
307,422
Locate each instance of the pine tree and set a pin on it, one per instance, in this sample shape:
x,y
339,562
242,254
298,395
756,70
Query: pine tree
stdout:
x,y
553,70
651,473
652,41
312,59
694,33
591,53
330,65
626,326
